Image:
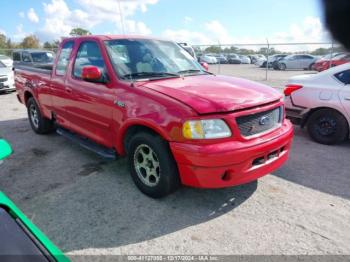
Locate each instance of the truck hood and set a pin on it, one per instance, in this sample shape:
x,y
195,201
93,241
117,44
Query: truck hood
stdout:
x,y
213,94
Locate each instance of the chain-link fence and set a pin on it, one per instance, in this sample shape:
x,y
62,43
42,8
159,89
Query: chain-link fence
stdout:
x,y
268,57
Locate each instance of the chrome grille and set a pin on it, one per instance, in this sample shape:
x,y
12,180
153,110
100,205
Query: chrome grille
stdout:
x,y
260,122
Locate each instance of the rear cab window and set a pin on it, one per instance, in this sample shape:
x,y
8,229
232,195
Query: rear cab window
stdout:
x,y
63,59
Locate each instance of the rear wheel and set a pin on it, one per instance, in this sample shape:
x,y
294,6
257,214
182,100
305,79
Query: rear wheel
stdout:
x,y
39,124
311,67
153,168
327,126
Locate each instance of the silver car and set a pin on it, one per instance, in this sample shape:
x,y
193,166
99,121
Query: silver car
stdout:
x,y
304,62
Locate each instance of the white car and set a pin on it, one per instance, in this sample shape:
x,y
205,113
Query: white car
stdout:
x,y
261,61
208,59
245,59
7,82
256,58
322,103
5,60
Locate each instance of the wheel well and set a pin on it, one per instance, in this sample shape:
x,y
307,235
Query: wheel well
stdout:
x,y
132,130
313,110
27,95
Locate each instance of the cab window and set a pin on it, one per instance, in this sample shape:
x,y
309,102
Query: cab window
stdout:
x,y
63,59
89,54
26,57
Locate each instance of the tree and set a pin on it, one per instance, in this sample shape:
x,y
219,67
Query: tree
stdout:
x,y
213,49
3,40
79,31
30,41
51,45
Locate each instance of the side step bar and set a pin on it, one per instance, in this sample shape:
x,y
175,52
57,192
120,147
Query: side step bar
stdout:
x,y
88,144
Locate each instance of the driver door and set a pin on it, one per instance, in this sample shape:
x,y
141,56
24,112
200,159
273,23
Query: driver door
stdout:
x,y
91,104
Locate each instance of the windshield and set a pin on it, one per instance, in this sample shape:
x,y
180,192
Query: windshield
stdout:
x,y
42,57
145,58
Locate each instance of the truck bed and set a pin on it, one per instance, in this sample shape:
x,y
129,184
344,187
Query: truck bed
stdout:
x,y
44,69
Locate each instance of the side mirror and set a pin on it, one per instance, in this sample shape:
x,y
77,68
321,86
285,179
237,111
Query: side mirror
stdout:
x,y
205,66
91,74
5,149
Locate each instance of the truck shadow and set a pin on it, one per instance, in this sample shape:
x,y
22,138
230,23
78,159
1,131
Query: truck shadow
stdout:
x,y
81,201
106,210
320,167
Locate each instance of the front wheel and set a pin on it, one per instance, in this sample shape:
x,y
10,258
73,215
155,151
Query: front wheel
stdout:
x,y
38,122
282,67
327,126
153,168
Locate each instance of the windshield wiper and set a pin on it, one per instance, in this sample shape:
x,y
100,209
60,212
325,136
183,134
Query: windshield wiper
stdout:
x,y
149,74
189,71
192,71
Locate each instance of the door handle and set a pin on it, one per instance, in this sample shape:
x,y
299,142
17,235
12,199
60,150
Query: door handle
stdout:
x,y
68,90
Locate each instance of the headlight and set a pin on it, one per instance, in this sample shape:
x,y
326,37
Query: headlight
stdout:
x,y
205,129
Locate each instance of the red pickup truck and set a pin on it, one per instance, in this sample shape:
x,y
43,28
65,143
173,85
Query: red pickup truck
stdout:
x,y
150,100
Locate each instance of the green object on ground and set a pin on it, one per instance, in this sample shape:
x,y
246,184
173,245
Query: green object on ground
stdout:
x,y
16,213
5,149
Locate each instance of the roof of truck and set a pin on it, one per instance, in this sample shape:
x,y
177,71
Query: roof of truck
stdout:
x,y
111,37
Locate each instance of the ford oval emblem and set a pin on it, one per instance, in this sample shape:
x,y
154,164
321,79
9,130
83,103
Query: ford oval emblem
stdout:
x,y
264,120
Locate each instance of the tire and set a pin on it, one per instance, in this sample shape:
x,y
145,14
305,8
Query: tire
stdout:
x,y
328,127
153,168
39,124
311,66
282,67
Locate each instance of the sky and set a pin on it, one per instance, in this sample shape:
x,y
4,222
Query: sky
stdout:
x,y
194,21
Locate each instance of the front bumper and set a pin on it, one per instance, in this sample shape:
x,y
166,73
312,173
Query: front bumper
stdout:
x,y
232,163
8,85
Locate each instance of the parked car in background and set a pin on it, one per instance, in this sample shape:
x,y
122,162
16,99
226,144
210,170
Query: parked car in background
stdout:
x,y
324,58
255,58
272,60
146,99
5,60
34,58
234,59
208,59
304,62
244,59
189,49
7,82
324,64
220,58
322,103
275,64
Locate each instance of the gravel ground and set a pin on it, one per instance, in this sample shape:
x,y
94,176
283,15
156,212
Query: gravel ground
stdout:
x,y
87,205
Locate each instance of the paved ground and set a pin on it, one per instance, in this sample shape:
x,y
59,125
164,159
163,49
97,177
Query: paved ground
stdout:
x,y
275,78
87,205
